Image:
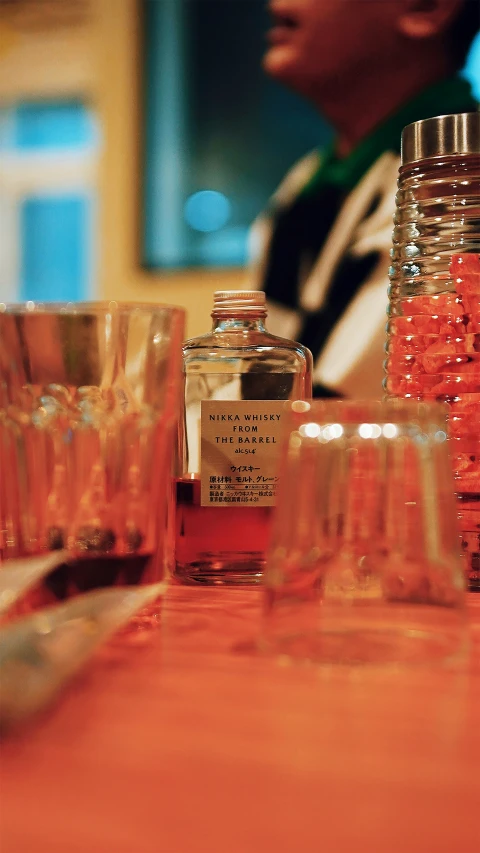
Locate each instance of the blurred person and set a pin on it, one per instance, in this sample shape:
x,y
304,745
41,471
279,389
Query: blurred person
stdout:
x,y
321,250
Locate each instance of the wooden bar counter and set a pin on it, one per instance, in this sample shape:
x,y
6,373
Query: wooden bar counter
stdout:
x,y
178,742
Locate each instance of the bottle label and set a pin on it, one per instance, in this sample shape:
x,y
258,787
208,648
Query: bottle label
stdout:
x,y
240,443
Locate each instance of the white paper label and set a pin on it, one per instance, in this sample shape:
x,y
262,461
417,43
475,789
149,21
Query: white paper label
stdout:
x,y
240,444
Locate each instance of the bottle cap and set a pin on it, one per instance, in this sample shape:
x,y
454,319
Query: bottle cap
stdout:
x,y
246,300
441,136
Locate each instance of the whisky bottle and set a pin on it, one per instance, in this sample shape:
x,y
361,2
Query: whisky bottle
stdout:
x,y
236,381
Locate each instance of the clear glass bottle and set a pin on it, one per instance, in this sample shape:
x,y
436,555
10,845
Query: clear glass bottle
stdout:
x,y
237,378
433,345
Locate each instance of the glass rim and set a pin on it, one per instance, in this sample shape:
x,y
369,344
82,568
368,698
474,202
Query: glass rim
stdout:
x,y
93,307
399,410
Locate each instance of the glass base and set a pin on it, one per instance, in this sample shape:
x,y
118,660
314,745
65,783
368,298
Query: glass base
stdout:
x,y
387,634
222,570
474,581
469,518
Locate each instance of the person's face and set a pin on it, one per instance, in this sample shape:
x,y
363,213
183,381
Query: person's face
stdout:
x,y
313,42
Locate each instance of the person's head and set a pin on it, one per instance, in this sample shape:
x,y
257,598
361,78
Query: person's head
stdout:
x,y
315,43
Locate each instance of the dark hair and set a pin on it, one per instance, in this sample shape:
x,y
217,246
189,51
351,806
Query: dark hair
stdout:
x,y
462,31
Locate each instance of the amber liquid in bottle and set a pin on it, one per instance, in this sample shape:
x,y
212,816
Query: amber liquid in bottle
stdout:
x,y
236,378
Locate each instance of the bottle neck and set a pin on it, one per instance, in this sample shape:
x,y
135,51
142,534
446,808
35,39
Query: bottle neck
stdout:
x,y
238,322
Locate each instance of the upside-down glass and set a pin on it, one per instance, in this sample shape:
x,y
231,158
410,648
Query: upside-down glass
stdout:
x,y
89,397
365,559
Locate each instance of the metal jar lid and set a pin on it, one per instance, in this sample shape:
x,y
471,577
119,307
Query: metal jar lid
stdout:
x,y
239,299
239,302
440,136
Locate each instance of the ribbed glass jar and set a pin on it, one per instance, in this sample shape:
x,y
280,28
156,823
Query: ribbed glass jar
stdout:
x,y
433,331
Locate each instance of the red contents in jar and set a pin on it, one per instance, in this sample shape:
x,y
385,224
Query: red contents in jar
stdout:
x,y
434,354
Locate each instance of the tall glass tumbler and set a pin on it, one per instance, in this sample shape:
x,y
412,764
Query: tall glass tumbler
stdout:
x,y
89,397
365,560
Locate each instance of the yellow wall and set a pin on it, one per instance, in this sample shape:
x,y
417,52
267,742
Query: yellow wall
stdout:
x,y
44,51
96,54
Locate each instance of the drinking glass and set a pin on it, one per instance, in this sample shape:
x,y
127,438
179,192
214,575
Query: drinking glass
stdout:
x,y
364,562
89,397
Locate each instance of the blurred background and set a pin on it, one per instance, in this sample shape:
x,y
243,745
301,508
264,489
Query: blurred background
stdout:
x,y
138,141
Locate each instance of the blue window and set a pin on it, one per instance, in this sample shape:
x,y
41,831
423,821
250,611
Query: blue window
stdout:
x,y
472,67
54,240
52,213
55,124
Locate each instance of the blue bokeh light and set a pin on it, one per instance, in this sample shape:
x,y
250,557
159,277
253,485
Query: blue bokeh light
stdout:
x,y
207,210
